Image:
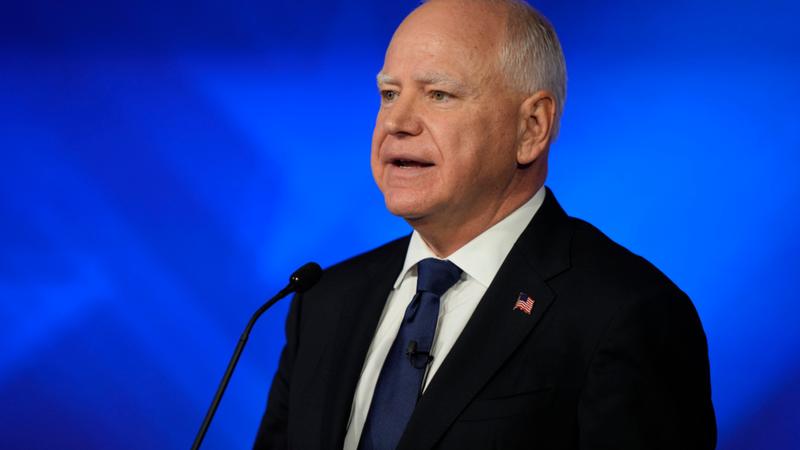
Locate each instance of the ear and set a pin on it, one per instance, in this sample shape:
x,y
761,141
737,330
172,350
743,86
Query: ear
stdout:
x,y
537,117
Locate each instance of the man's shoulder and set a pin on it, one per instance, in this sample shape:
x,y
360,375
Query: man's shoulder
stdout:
x,y
609,287
358,266
612,267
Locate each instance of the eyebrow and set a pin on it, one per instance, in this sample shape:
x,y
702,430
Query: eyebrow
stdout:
x,y
382,78
426,78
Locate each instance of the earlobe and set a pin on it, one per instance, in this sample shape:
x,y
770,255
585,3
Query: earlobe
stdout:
x,y
537,115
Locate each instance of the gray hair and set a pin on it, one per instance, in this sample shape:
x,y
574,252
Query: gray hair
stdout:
x,y
532,57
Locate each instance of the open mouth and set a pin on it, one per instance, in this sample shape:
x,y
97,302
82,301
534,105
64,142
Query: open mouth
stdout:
x,y
410,163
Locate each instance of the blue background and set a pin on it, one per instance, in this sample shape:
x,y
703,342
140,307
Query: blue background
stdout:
x,y
165,166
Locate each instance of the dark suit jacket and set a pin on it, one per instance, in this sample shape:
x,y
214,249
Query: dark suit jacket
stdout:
x,y
612,357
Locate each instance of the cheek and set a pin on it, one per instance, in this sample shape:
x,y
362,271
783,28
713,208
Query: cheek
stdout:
x,y
451,137
462,148
376,133
477,159
377,138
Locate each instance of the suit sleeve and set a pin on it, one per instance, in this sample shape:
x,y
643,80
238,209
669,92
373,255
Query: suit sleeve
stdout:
x,y
647,385
273,431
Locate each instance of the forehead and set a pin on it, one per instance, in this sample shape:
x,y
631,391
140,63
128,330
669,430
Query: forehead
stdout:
x,y
456,39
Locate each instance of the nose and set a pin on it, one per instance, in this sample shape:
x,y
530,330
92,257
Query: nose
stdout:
x,y
401,118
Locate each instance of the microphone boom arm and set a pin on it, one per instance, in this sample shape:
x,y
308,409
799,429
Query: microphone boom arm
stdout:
x,y
301,280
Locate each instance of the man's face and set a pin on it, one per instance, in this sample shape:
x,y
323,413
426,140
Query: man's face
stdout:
x,y
444,145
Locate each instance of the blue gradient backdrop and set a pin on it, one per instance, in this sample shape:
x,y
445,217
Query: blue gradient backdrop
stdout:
x,y
164,166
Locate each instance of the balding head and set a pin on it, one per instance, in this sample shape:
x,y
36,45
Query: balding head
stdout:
x,y
458,144
478,26
528,50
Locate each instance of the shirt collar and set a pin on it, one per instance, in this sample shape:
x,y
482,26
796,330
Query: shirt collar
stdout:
x,y
481,257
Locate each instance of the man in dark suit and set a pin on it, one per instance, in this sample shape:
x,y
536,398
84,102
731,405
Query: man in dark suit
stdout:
x,y
500,322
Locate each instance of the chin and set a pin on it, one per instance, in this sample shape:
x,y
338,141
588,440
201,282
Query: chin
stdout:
x,y
404,212
408,209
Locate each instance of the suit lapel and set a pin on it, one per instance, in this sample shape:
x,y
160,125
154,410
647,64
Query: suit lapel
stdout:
x,y
495,329
355,329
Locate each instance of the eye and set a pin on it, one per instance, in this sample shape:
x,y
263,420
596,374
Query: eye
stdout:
x,y
440,96
388,95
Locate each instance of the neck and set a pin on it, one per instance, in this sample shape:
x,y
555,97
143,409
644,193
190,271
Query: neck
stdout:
x,y
445,237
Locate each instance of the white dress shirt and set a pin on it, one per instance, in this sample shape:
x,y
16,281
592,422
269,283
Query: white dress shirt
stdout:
x,y
479,259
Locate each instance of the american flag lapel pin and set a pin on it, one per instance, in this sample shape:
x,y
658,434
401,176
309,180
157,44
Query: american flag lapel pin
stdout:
x,y
524,303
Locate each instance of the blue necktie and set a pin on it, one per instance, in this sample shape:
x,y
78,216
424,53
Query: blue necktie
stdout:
x,y
400,382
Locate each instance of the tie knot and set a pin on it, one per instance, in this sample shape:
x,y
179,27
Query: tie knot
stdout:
x,y
436,275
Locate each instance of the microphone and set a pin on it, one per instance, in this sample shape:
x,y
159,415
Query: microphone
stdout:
x,y
419,359
301,280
